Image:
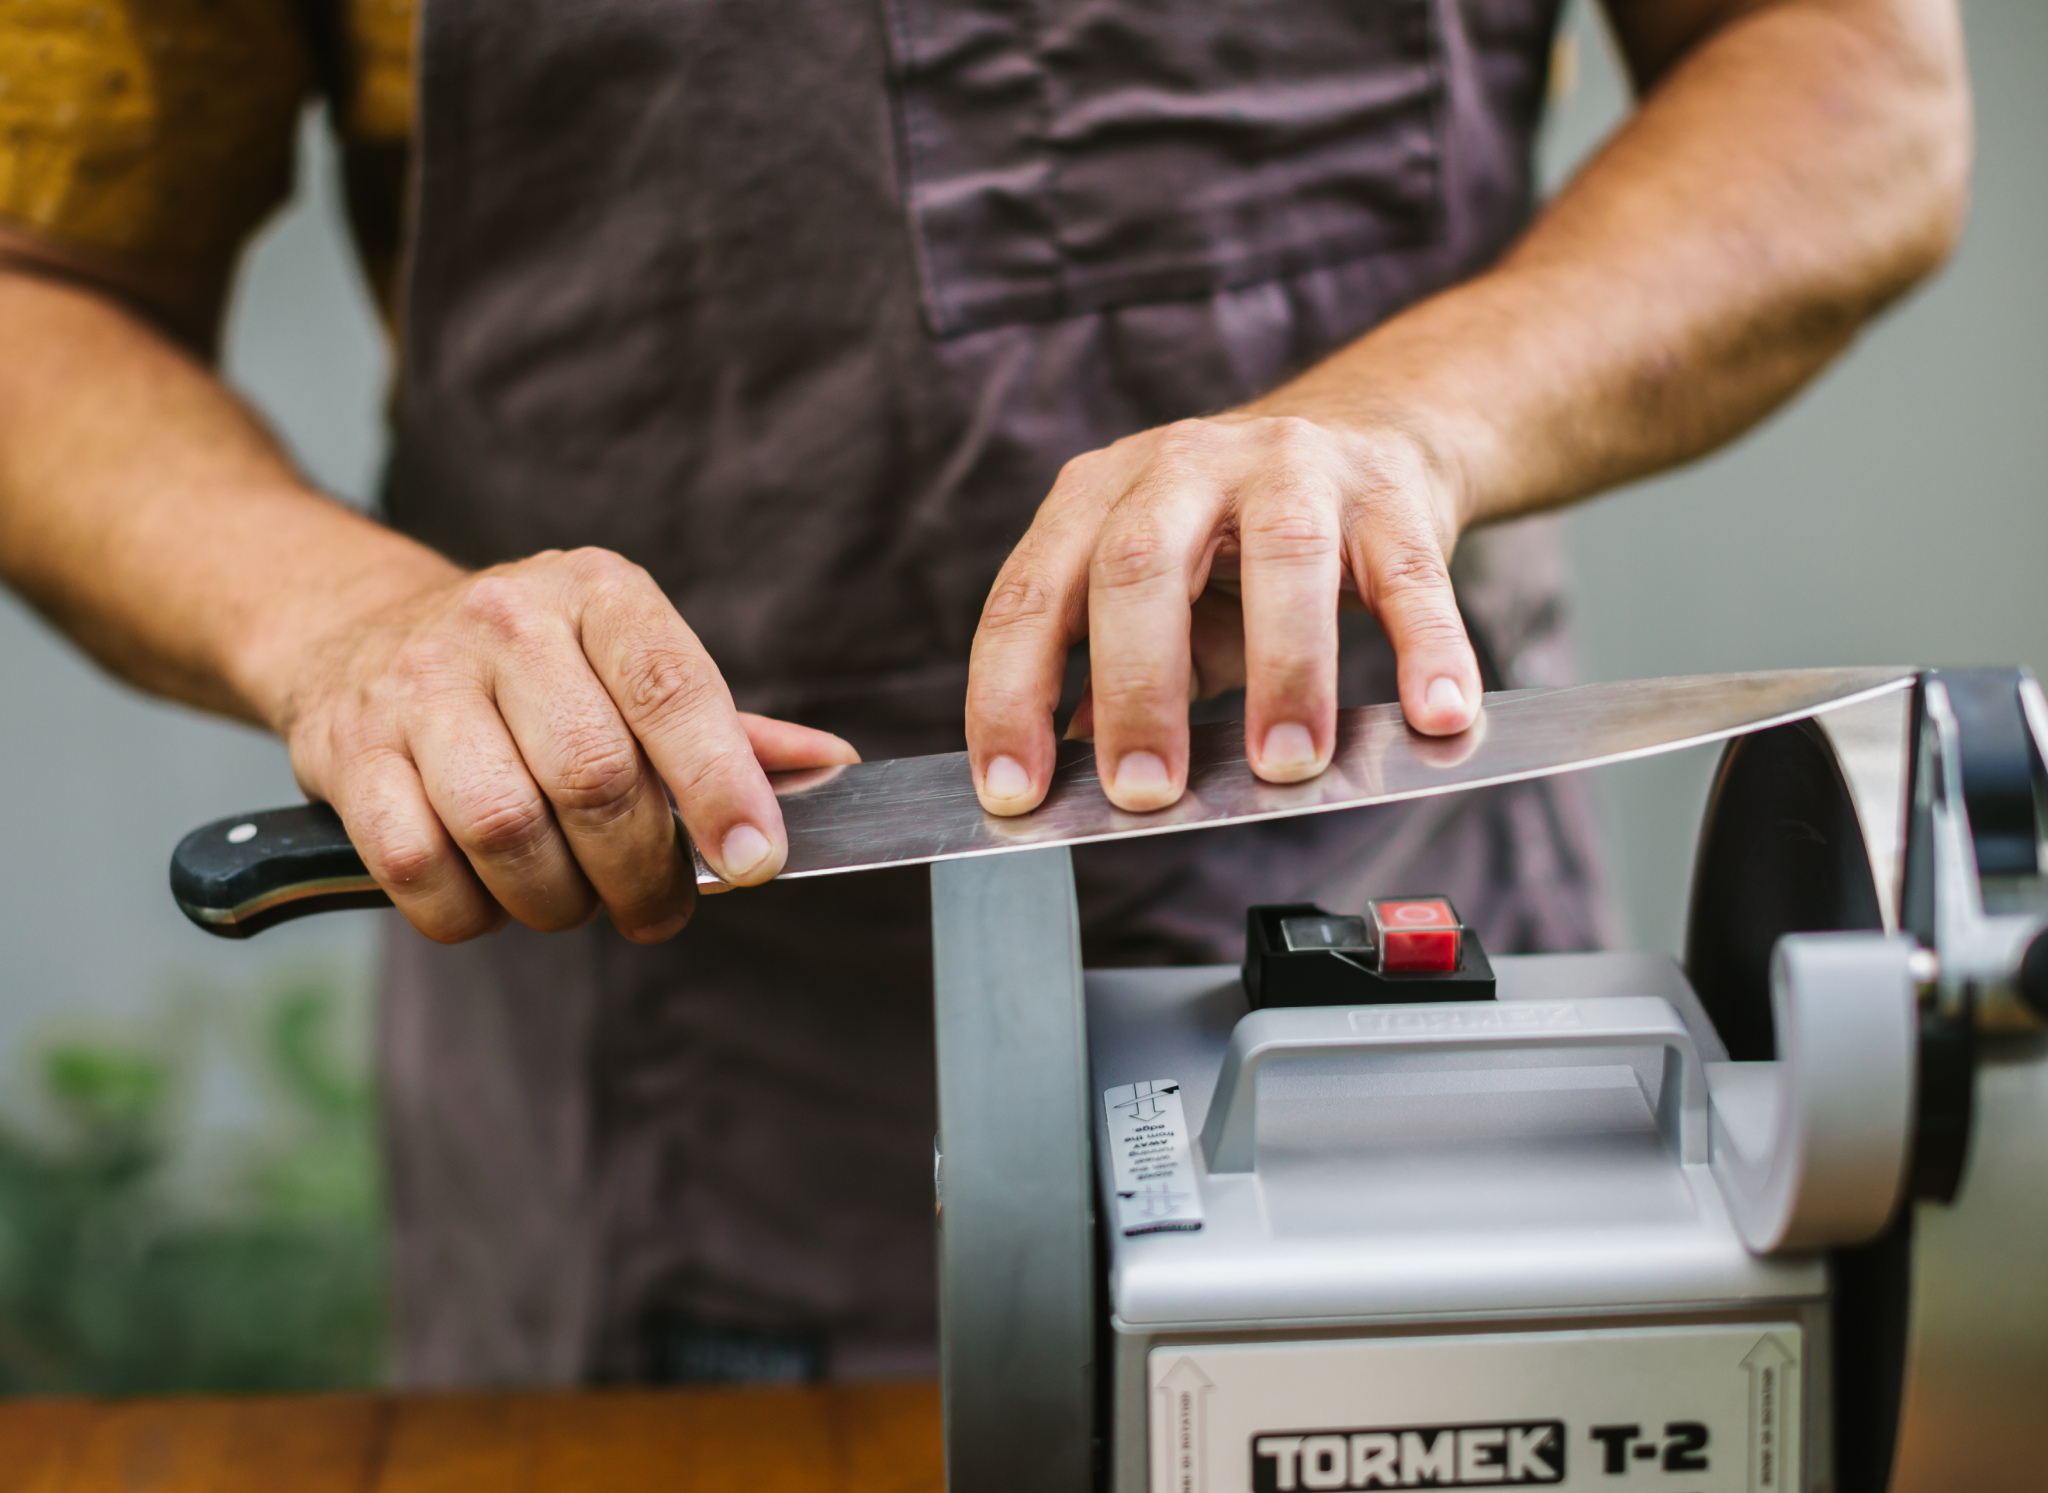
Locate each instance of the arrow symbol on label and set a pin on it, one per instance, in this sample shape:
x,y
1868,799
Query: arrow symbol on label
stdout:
x,y
1185,1389
1770,1365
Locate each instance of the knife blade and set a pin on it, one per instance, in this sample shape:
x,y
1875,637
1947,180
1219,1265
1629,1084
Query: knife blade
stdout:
x,y
240,875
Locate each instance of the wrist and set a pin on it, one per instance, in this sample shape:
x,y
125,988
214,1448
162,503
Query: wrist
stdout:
x,y
330,574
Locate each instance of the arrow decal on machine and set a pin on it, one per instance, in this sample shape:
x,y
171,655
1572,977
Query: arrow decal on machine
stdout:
x,y
1184,1393
1771,1397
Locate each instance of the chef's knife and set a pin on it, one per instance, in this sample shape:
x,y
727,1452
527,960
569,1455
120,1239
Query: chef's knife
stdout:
x,y
239,876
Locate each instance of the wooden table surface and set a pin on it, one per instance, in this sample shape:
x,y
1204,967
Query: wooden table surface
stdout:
x,y
845,1439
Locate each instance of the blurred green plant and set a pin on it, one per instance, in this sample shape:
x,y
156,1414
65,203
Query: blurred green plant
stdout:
x,y
112,1283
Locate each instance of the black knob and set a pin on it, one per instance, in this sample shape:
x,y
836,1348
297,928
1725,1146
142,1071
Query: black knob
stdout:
x,y
2034,974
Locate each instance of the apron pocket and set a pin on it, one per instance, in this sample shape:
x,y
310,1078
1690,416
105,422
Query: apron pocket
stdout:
x,y
1061,156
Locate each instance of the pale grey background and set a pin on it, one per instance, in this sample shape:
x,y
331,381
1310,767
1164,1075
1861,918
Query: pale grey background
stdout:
x,y
1896,512
97,783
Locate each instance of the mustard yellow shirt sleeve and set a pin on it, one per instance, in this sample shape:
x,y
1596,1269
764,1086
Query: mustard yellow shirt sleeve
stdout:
x,y
377,38
155,129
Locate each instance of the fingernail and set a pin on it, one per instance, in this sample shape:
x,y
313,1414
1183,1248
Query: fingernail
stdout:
x,y
742,851
1006,778
1445,694
1289,748
1141,774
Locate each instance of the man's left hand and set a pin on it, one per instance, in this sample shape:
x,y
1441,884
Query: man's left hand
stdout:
x,y
1138,548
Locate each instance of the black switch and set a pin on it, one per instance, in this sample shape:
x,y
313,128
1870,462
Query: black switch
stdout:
x,y
1298,954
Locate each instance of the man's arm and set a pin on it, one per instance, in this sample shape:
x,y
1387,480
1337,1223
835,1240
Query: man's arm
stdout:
x,y
1800,167
1795,166
496,742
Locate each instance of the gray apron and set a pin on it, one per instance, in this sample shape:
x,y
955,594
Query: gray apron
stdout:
x,y
801,304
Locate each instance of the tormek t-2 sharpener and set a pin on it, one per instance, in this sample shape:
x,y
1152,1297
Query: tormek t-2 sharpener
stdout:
x,y
1774,1220
1383,1209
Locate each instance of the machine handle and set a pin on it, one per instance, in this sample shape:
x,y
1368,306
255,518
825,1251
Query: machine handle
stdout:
x,y
1811,1151
1276,1034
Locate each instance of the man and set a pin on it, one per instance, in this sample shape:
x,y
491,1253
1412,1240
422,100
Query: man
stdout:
x,y
740,344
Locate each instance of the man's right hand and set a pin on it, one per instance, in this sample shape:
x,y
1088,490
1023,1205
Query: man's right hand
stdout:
x,y
499,744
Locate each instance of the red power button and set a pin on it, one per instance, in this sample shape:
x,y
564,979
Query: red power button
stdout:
x,y
1416,934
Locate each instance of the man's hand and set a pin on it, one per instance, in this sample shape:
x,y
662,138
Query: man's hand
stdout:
x,y
1135,550
1795,166
500,743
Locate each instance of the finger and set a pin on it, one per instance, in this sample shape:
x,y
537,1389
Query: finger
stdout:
x,y
404,845
479,785
1407,586
1290,573
677,706
1147,566
1141,582
609,804
784,746
1035,612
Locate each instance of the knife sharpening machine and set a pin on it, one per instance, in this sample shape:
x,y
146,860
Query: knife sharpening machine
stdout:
x,y
1775,1220
1381,1211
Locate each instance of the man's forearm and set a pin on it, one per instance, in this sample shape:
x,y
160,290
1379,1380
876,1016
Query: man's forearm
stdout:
x,y
150,515
1798,168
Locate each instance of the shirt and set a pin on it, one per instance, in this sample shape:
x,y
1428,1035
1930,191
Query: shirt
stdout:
x,y
164,132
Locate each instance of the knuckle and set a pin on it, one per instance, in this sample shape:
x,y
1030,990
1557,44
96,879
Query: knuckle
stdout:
x,y
1438,633
592,563
1409,569
664,684
608,580
1292,436
507,609
398,854
1080,471
505,823
1140,711
401,861
1139,692
539,562
497,602
1189,440
1287,529
1021,595
1131,555
702,773
992,701
600,774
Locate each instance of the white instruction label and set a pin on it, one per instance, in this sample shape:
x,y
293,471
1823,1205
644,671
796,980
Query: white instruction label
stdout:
x,y
1148,1148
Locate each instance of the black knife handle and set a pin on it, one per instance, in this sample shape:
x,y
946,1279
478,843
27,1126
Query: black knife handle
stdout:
x,y
236,877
